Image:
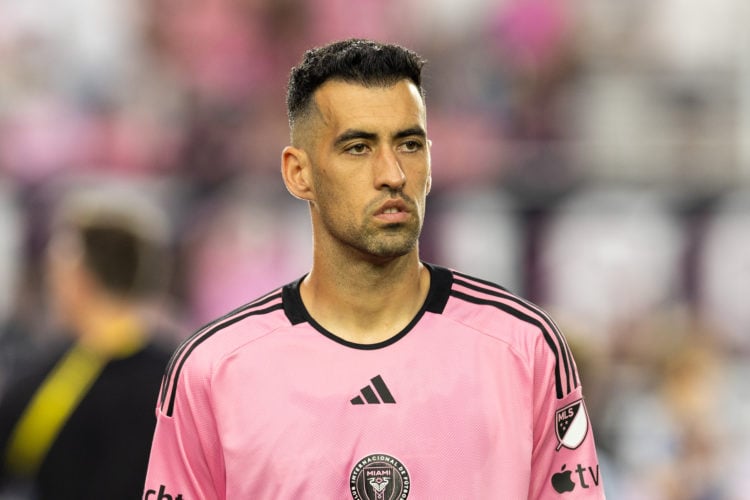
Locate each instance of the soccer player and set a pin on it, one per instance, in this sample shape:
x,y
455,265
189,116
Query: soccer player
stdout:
x,y
376,375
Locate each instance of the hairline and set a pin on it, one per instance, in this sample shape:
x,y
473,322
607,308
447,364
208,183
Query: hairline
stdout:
x,y
311,110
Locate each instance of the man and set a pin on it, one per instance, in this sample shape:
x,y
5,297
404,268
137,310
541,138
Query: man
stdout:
x,y
78,423
376,375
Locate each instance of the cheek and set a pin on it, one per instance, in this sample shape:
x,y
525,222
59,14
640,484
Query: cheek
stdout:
x,y
61,291
337,190
325,189
331,199
422,180
56,277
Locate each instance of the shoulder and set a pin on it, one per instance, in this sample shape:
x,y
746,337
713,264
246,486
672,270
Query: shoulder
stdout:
x,y
197,355
31,370
472,300
501,314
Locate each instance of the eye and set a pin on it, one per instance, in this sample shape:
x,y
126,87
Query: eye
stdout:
x,y
359,148
411,146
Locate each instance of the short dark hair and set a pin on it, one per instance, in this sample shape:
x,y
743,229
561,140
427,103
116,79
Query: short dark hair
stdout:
x,y
355,60
122,261
121,232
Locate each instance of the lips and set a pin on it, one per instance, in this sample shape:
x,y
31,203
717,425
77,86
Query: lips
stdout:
x,y
392,207
393,211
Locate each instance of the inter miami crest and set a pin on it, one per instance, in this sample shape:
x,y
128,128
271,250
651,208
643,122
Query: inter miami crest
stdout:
x,y
571,425
379,477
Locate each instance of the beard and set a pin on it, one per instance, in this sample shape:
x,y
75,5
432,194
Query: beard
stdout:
x,y
387,242
367,237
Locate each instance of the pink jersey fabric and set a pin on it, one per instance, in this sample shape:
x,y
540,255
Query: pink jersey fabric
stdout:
x,y
478,397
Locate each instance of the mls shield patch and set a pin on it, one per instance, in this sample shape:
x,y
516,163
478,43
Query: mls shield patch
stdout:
x,y
571,425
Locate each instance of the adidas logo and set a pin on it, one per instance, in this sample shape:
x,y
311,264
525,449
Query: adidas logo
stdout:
x,y
371,393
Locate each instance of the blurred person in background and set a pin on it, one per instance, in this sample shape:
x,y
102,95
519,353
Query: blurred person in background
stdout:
x,y
11,245
376,375
76,422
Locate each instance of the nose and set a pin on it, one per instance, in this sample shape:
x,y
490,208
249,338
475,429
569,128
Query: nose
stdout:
x,y
388,171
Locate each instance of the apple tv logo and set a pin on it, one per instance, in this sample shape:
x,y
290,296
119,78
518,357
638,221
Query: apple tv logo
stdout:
x,y
563,482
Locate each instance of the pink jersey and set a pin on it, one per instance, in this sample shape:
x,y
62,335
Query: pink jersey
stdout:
x,y
478,397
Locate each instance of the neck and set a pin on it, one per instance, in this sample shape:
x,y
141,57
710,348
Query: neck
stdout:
x,y
365,302
111,329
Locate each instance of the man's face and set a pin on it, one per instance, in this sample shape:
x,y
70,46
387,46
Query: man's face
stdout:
x,y
370,167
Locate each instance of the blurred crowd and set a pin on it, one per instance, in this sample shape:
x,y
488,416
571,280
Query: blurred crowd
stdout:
x,y
592,155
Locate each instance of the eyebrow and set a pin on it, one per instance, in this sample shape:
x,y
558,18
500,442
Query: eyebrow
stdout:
x,y
350,134
416,130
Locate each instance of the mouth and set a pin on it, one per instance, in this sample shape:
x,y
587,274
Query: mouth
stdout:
x,y
392,212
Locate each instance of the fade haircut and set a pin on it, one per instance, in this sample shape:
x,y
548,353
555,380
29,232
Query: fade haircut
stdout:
x,y
355,60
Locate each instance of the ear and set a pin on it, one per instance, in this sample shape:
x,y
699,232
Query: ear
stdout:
x,y
295,169
429,169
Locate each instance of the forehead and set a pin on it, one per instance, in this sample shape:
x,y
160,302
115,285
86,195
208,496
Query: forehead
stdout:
x,y
344,105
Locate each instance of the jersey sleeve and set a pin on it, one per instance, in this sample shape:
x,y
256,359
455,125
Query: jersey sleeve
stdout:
x,y
186,461
564,458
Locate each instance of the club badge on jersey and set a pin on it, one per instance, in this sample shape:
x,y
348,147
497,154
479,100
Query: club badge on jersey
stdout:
x,y
379,477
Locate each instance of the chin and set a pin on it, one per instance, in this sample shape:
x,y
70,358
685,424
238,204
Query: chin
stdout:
x,y
389,244
393,251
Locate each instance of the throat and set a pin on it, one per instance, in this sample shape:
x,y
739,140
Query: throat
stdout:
x,y
369,331
366,313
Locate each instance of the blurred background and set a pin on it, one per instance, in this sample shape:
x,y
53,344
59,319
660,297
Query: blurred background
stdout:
x,y
591,155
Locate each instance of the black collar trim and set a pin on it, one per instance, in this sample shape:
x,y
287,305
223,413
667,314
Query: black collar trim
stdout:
x,y
441,280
